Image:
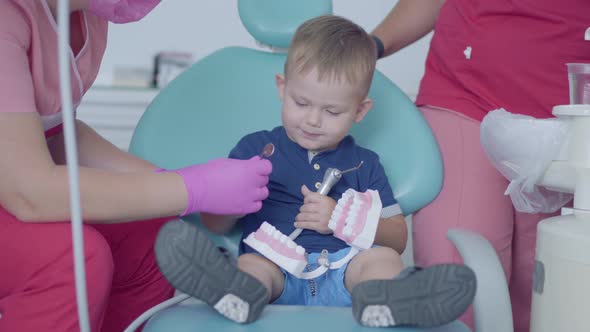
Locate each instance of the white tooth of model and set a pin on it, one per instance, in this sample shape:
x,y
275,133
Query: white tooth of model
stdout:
x,y
351,218
284,238
266,227
332,223
299,250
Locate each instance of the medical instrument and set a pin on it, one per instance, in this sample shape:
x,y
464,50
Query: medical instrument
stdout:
x,y
64,51
268,150
331,177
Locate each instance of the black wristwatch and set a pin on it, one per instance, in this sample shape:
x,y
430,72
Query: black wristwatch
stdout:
x,y
380,47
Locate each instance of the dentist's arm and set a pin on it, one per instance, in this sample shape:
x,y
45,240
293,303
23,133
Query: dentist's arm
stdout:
x,y
96,152
114,186
408,21
34,187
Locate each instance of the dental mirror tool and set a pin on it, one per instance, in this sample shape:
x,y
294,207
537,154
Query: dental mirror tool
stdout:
x,y
268,150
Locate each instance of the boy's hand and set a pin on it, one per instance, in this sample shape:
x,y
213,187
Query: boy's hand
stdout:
x,y
315,212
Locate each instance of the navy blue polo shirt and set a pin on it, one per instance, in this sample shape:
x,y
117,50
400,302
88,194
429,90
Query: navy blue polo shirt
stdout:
x,y
292,168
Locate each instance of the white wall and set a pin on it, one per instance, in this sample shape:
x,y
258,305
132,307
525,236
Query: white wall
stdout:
x,y
200,27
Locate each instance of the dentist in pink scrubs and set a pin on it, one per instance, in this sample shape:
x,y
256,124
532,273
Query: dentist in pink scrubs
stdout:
x,y
124,201
485,54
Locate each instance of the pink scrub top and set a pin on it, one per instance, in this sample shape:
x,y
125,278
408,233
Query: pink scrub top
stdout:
x,y
29,76
487,54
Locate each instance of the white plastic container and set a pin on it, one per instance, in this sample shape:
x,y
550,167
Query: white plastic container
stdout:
x,y
562,269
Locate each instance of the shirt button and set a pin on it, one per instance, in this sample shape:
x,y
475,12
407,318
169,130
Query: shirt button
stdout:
x,y
316,167
318,185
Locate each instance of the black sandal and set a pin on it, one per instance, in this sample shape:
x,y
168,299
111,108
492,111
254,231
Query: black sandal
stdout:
x,y
192,263
427,297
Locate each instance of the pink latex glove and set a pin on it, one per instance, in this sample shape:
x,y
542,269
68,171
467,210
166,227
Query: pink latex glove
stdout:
x,y
226,186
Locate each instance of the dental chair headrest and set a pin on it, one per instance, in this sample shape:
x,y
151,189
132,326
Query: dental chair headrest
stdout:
x,y
273,22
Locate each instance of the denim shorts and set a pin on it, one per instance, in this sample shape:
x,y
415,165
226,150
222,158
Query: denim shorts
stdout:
x,y
326,290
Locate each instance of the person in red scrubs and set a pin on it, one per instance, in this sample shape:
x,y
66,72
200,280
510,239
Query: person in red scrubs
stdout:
x,y
485,55
37,291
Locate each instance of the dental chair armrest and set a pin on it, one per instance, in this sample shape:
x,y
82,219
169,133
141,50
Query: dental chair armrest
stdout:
x,y
491,306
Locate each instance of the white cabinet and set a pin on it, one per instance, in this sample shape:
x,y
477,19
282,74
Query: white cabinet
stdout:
x,y
114,112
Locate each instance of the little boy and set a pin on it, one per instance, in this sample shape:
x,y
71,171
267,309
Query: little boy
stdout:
x,y
324,91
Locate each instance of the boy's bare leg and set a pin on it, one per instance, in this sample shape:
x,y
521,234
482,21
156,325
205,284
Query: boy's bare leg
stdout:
x,y
385,295
267,272
372,264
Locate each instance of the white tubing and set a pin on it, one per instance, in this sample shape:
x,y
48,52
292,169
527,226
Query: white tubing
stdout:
x,y
63,18
334,266
295,233
313,274
338,264
141,319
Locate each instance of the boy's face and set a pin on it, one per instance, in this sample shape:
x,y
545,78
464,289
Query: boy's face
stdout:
x,y
318,115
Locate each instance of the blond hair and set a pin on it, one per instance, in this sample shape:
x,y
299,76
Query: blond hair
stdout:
x,y
336,47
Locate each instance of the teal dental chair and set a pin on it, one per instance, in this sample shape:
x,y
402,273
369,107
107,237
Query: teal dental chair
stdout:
x,y
203,113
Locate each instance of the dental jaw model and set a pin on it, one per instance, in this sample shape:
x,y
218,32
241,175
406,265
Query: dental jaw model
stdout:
x,y
279,248
354,220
